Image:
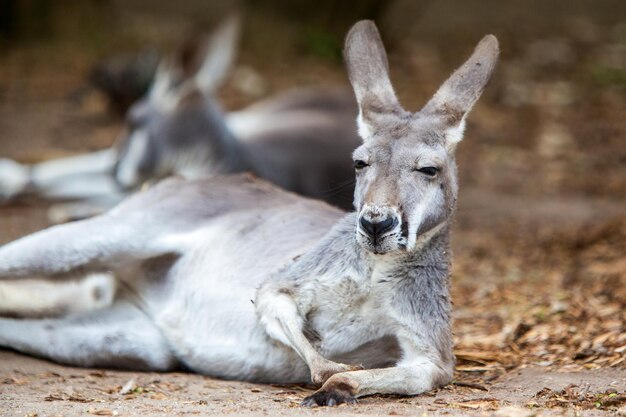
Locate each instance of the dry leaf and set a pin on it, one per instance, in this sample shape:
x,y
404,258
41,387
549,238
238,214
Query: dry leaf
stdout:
x,y
102,412
128,387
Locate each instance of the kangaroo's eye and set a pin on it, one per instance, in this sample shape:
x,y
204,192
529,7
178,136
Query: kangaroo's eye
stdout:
x,y
429,171
358,164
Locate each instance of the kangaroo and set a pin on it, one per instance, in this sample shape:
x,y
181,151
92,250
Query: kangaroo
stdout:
x,y
235,278
300,140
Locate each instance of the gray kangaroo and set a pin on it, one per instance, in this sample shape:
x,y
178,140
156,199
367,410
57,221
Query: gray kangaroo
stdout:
x,y
235,278
299,140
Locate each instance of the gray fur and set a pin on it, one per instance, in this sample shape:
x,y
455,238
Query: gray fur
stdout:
x,y
95,339
242,280
300,141
303,146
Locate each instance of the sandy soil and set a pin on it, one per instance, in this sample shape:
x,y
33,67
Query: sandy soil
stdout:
x,y
33,387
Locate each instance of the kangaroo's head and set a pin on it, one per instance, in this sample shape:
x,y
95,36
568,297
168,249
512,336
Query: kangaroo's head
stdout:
x,y
168,129
406,182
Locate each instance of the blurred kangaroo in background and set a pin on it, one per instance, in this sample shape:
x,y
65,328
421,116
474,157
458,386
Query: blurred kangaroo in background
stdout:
x,y
300,141
235,278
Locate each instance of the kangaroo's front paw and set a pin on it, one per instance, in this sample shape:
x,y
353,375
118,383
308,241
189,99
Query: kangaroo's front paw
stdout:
x,y
330,397
14,178
324,370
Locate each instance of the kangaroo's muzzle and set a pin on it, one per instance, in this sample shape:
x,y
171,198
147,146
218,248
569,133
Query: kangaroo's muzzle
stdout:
x,y
378,228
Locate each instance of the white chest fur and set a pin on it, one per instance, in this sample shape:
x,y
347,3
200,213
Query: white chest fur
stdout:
x,y
352,309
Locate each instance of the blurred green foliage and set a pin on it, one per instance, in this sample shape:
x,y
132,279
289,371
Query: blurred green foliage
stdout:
x,y
610,77
323,44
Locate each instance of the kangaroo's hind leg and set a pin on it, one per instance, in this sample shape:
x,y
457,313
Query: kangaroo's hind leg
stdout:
x,y
121,336
102,243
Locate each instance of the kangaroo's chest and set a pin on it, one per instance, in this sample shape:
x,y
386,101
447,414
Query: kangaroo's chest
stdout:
x,y
351,312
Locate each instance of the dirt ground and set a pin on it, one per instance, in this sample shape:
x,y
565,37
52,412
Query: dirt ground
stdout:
x,y
539,275
33,387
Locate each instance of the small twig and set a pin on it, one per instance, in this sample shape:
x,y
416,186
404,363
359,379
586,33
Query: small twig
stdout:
x,y
470,385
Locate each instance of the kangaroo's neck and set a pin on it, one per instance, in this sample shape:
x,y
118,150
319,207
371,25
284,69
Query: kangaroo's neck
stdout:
x,y
431,255
208,146
226,146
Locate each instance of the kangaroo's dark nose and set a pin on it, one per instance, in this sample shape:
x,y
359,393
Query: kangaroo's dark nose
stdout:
x,y
378,228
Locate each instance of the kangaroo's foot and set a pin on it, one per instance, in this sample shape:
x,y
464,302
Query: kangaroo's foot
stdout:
x,y
330,396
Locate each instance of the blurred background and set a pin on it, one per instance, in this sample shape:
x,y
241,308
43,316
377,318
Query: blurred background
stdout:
x,y
539,273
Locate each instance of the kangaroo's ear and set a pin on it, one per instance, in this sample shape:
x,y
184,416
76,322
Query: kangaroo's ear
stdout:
x,y
166,83
201,63
368,71
218,55
457,95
